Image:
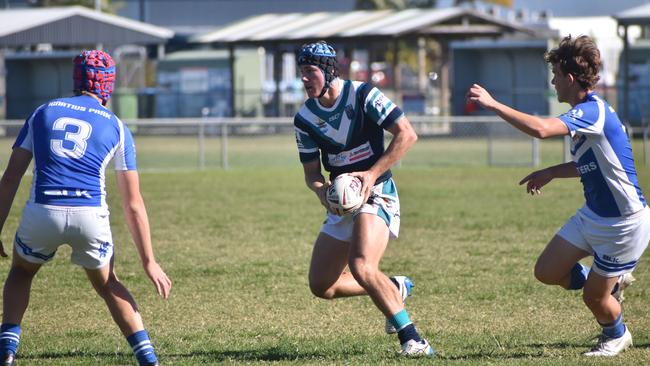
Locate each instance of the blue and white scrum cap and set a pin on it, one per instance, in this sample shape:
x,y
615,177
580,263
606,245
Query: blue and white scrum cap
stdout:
x,y
323,56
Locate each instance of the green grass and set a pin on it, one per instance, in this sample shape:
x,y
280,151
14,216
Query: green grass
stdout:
x,y
237,245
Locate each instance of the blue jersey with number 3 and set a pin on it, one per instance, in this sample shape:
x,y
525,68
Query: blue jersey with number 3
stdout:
x,y
72,141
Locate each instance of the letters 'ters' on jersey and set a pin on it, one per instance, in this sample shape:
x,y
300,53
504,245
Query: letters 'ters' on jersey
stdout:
x,y
350,134
72,141
603,156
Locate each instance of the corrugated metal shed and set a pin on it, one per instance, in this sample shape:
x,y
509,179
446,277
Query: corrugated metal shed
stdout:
x,y
448,22
74,26
637,15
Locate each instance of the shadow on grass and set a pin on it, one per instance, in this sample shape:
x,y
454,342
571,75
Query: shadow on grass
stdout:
x,y
578,346
74,355
537,350
563,345
277,354
265,354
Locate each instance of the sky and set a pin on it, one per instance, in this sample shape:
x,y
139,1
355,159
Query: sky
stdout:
x,y
206,12
572,8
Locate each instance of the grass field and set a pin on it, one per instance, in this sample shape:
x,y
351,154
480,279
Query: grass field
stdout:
x,y
237,245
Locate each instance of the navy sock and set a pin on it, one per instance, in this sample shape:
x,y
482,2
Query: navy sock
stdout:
x,y
405,328
615,329
579,275
142,347
9,338
407,333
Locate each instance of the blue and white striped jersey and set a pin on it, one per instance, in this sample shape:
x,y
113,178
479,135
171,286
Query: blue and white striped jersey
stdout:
x,y
72,141
350,134
603,156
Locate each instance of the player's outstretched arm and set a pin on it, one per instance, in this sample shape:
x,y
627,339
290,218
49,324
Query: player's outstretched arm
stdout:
x,y
135,212
18,164
538,179
404,137
526,123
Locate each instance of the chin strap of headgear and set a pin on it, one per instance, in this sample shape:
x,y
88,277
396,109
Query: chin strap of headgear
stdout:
x,y
94,72
323,56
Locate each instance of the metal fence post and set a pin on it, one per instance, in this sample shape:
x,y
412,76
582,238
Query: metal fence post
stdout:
x,y
490,148
567,148
536,155
205,111
224,144
645,145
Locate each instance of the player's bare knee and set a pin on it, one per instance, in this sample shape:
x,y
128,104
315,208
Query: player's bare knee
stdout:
x,y
364,273
108,288
18,272
321,290
544,275
593,300
541,276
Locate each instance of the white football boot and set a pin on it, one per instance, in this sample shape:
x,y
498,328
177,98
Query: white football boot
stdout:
x,y
404,286
414,348
608,347
623,282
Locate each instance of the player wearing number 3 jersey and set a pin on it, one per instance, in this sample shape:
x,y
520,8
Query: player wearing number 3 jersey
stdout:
x,y
72,140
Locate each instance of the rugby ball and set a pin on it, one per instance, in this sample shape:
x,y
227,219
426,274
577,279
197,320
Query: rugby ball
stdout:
x,y
344,194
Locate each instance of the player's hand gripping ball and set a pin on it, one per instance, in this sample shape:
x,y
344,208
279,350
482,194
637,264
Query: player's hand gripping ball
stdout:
x,y
344,195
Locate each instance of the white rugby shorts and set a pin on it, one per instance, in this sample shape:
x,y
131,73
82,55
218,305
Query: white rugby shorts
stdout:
x,y
616,243
383,202
43,228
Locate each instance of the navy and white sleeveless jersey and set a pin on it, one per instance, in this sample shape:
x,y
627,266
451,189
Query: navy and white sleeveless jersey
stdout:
x,y
350,134
72,141
603,156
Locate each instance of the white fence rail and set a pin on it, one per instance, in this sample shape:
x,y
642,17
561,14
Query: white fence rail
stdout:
x,y
493,135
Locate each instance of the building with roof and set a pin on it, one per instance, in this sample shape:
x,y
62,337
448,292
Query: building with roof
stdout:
x,y
634,95
37,46
362,38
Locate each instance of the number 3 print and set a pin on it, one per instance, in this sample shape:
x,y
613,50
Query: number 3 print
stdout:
x,y
78,138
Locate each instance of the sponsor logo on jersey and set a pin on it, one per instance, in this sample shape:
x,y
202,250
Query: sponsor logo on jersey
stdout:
x,y
321,123
587,168
348,157
65,192
335,117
